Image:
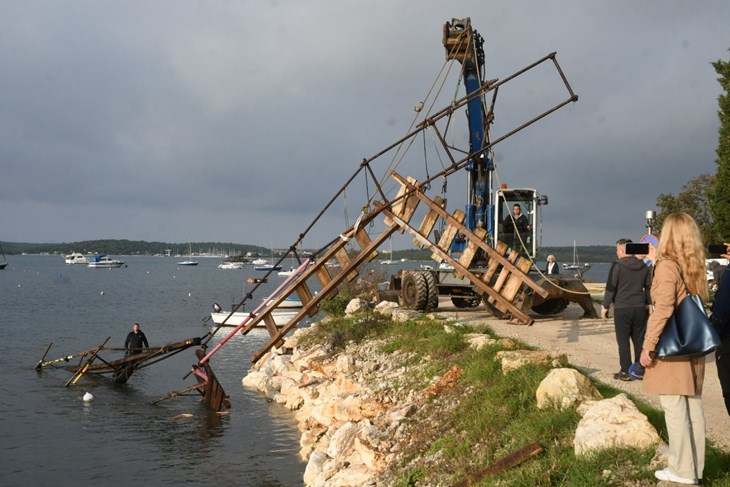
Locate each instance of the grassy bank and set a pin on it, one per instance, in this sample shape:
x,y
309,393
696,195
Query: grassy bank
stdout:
x,y
486,415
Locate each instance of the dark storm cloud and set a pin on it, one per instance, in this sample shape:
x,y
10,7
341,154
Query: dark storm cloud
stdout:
x,y
214,120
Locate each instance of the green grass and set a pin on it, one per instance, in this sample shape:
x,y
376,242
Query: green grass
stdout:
x,y
489,415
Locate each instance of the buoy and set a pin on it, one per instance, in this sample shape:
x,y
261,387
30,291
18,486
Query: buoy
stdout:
x,y
101,293
88,397
190,294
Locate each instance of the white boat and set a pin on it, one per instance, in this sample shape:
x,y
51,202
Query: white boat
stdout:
x,y
104,262
227,264
290,272
75,258
575,265
282,314
260,262
189,263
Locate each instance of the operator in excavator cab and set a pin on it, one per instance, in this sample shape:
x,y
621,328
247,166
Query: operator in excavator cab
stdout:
x,y
521,223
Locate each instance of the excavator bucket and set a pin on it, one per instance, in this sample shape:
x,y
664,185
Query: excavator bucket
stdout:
x,y
562,290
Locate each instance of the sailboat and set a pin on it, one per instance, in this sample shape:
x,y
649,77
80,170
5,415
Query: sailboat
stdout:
x,y
389,260
189,263
4,263
575,265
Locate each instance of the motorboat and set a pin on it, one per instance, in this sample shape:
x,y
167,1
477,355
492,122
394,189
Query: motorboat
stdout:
x,y
104,262
227,264
287,273
75,258
282,314
260,262
267,267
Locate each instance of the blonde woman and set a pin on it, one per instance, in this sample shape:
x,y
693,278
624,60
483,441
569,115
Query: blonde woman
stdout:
x,y
679,268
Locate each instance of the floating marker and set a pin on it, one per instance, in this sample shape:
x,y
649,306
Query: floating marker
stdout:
x,y
101,293
88,397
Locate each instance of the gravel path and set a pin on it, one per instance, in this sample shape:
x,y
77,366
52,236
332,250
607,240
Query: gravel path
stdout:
x,y
590,344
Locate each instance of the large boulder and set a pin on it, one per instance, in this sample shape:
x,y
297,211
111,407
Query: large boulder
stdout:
x,y
614,423
355,306
564,388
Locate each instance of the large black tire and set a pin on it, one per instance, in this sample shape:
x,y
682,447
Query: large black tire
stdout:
x,y
472,302
551,306
432,302
413,291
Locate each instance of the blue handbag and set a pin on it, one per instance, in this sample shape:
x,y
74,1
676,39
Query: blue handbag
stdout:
x,y
688,332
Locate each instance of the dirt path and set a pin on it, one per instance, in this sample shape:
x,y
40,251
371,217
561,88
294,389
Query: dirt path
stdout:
x,y
590,344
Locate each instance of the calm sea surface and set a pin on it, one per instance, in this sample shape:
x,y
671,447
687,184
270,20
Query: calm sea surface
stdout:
x,y
49,436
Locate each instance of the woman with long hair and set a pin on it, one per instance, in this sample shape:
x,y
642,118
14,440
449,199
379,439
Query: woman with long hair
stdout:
x,y
679,269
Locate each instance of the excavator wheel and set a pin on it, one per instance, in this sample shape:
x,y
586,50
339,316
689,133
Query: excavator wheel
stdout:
x,y
551,306
414,291
432,302
466,302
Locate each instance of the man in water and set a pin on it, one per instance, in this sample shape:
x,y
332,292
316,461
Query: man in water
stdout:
x,y
135,341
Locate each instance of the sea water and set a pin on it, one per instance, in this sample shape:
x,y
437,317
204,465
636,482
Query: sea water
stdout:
x,y
50,436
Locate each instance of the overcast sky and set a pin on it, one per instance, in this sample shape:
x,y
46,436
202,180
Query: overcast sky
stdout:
x,y
236,121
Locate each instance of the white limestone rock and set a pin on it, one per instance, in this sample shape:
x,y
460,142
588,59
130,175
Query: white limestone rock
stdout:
x,y
564,388
614,423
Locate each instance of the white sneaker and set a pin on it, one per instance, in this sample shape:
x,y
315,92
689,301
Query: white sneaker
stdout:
x,y
665,474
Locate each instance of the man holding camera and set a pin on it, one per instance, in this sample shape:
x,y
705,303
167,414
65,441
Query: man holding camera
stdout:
x,y
628,287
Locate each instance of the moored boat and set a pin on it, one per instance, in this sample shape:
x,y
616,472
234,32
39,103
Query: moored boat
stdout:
x,y
104,262
227,264
75,258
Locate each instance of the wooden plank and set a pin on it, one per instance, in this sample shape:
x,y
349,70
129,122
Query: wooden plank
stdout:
x,y
363,240
398,202
449,234
514,282
493,264
478,283
82,370
429,221
491,253
213,394
471,249
411,202
326,290
344,259
305,296
322,274
271,327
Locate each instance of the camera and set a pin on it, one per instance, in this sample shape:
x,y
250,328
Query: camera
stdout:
x,y
716,250
637,248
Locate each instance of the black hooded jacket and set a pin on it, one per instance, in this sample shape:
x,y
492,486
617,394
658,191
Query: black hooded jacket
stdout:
x,y
628,284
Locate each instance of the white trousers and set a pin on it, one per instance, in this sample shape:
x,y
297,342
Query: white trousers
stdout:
x,y
685,421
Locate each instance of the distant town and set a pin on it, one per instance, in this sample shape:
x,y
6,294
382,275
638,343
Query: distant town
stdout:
x,y
591,253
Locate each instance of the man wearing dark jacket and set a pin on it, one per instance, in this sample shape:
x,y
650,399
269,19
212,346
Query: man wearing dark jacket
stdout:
x,y
135,341
628,287
721,319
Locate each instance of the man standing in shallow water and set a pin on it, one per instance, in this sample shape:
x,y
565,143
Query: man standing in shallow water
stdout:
x,y
136,340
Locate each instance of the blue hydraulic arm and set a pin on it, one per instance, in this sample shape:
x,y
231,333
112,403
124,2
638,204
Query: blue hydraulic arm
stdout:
x,y
465,45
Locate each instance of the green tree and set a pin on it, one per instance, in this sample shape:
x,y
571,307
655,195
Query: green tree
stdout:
x,y
695,200
720,193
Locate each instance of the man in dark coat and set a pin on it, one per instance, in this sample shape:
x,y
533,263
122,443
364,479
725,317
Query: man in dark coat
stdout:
x,y
136,340
721,319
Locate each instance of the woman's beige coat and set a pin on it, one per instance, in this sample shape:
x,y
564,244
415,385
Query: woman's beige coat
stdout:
x,y
682,376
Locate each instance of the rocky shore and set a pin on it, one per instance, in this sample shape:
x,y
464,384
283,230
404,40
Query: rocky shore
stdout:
x,y
360,410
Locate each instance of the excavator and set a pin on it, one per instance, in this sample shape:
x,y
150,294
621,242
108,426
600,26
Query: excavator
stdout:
x,y
507,216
